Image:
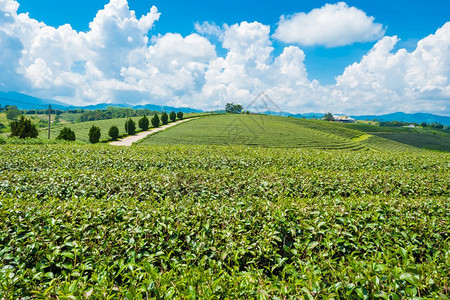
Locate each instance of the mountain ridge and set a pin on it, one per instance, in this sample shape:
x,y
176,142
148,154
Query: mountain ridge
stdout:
x,y
23,101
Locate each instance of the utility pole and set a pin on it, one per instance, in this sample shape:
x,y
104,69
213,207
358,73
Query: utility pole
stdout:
x,y
49,119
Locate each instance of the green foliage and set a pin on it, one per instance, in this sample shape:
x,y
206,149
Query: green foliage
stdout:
x,y
273,131
112,113
23,128
144,123
130,126
155,121
2,127
180,115
423,124
66,134
164,118
173,116
113,133
254,130
222,222
232,108
12,113
94,134
328,117
419,140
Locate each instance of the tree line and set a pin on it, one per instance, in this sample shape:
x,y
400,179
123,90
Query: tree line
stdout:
x,y
24,128
130,126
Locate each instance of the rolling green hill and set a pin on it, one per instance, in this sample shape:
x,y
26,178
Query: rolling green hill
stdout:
x,y
81,129
286,132
255,130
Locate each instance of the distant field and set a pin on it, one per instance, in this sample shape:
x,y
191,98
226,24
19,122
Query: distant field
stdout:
x,y
419,140
364,127
254,130
273,131
268,131
81,129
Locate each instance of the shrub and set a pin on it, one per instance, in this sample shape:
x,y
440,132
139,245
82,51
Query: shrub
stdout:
x,y
94,134
12,114
144,123
164,118
23,128
2,127
155,121
113,133
180,115
66,134
173,116
130,126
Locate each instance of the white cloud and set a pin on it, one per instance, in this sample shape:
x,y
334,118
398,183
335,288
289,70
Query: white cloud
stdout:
x,y
210,29
116,61
400,81
331,25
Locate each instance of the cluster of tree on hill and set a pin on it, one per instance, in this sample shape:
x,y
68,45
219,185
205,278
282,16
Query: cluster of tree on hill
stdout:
x,y
43,112
423,124
231,108
113,113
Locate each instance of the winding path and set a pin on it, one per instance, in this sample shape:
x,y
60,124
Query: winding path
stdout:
x,y
129,140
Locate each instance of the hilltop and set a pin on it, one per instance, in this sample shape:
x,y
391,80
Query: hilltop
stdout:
x,y
288,132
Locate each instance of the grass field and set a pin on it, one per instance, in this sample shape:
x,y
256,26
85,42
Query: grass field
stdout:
x,y
419,140
272,131
81,129
211,222
253,130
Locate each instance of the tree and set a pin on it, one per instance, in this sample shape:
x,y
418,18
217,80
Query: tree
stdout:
x,y
231,108
130,126
173,116
424,124
328,117
23,128
180,115
144,123
12,113
164,118
155,121
113,133
94,134
66,134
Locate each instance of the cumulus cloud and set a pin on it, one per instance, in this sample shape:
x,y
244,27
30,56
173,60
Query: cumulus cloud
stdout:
x,y
331,25
115,61
400,81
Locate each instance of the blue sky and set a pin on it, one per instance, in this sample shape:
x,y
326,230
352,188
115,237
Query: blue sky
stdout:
x,y
410,20
301,46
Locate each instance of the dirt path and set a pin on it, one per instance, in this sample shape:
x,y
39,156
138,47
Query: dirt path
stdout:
x,y
129,140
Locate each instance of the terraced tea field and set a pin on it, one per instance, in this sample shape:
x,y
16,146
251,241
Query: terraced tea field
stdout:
x,y
208,222
272,131
256,130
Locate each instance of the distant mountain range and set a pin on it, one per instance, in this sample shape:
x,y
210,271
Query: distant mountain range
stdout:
x,y
411,118
23,101
398,116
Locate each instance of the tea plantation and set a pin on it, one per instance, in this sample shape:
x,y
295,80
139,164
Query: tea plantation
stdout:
x,y
282,132
223,222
